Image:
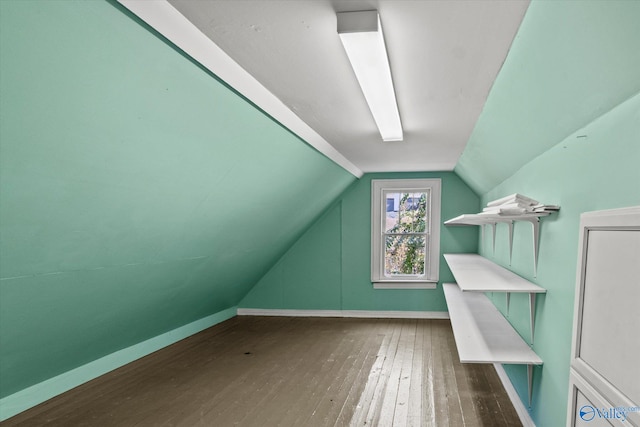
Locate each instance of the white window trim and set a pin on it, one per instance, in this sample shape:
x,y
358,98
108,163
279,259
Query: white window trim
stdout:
x,y
432,265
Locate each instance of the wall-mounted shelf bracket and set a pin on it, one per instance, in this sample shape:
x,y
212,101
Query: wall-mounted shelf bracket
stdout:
x,y
508,298
535,223
493,219
530,381
493,234
532,310
532,313
510,224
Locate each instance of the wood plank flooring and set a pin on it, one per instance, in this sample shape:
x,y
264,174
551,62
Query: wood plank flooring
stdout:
x,y
292,371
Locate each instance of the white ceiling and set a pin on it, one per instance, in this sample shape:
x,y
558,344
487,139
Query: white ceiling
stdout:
x,y
444,57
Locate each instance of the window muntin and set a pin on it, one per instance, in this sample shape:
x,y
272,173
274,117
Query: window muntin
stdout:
x,y
405,247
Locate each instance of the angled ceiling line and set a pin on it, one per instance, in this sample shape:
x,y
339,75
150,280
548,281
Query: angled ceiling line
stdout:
x,y
168,21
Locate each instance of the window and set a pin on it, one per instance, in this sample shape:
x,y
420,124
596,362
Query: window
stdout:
x,y
405,236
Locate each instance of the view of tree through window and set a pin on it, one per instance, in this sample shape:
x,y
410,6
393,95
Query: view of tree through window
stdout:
x,y
405,233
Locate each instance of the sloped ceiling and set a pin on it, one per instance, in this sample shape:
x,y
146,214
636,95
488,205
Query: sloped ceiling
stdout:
x,y
444,57
570,63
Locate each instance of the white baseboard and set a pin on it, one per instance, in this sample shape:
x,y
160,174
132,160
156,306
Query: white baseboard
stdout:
x,y
38,393
522,411
345,313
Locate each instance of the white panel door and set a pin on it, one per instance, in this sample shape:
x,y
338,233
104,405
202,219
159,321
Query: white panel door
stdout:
x,y
605,363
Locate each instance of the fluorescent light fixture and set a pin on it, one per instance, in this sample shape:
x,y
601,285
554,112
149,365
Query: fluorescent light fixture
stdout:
x,y
361,35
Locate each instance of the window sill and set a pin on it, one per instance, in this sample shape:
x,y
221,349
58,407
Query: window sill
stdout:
x,y
405,285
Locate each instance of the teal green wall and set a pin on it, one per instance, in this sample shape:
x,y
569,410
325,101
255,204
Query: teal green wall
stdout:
x,y
329,267
561,125
139,193
571,62
595,168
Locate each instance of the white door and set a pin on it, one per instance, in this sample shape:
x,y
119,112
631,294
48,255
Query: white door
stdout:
x,y
605,365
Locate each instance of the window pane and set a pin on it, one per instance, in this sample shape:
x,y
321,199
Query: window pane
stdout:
x,y
404,255
419,203
409,212
404,220
392,202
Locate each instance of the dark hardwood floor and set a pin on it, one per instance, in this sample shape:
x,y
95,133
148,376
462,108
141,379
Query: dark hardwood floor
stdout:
x,y
292,371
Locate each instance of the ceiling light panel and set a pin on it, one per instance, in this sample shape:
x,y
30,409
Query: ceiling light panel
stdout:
x,y
362,38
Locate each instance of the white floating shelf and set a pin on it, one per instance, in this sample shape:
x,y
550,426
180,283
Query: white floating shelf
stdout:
x,y
492,219
483,335
480,219
474,273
